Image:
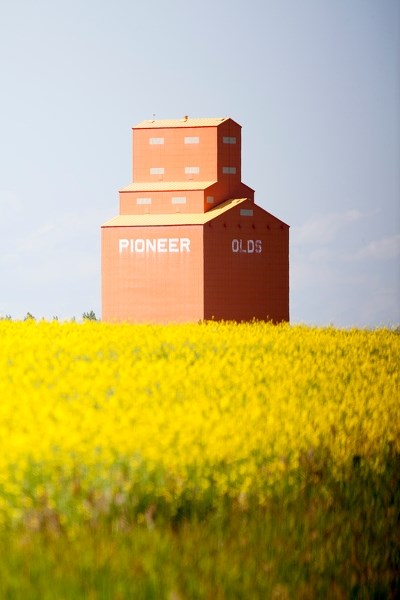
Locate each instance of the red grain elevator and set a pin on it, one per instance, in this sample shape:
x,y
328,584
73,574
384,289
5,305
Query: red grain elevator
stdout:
x,y
189,242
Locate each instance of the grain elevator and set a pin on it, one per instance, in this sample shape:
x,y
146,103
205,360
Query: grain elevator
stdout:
x,y
189,242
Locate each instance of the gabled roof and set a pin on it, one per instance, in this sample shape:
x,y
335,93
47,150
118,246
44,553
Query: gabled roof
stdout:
x,y
184,122
162,186
148,219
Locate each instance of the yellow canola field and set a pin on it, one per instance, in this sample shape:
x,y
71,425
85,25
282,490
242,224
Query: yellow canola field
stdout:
x,y
95,415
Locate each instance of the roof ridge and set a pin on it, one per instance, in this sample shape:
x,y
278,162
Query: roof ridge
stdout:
x,y
183,122
160,219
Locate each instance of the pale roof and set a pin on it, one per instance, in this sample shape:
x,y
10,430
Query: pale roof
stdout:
x,y
149,219
184,122
162,186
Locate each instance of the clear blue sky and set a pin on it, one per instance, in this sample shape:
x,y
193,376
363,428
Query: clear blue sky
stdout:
x,y
314,84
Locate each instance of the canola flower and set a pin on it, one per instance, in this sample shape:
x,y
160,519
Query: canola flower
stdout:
x,y
103,419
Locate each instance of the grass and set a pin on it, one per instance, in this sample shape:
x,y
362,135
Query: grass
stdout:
x,y
329,540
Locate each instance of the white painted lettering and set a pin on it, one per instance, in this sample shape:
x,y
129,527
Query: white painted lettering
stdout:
x,y
173,245
123,244
162,245
139,246
246,246
185,244
153,245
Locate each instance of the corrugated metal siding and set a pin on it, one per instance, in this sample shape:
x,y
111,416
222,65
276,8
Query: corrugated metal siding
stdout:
x,y
147,220
166,186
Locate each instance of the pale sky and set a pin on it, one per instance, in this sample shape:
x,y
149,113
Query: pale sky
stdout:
x,y
314,84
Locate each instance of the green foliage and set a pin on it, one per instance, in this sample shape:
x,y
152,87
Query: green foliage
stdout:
x,y
29,317
89,316
328,540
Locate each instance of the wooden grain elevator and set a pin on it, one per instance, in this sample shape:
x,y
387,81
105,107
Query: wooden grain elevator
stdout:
x,y
189,242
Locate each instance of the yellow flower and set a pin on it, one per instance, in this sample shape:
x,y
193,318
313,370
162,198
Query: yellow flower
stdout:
x,y
94,411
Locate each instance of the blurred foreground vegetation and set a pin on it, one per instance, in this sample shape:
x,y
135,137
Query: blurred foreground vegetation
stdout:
x,y
198,461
